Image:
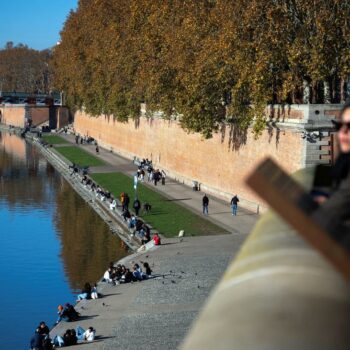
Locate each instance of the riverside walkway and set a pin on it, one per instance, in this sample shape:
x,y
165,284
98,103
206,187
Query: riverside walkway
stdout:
x,y
219,210
157,313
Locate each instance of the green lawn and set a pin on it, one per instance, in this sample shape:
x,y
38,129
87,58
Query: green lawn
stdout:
x,y
79,156
54,139
166,216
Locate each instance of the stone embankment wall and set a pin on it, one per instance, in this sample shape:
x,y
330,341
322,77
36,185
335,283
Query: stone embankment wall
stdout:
x,y
17,115
296,137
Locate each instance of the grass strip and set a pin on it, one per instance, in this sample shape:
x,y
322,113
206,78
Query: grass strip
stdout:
x,y
79,156
166,216
54,139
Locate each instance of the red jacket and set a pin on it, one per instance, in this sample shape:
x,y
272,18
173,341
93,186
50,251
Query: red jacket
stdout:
x,y
156,240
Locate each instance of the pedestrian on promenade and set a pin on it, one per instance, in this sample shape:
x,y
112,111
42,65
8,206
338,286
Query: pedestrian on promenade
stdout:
x,y
163,175
97,150
234,204
77,139
137,206
126,201
122,200
205,202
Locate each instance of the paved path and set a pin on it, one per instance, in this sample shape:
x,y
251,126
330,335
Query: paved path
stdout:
x,y
219,211
156,314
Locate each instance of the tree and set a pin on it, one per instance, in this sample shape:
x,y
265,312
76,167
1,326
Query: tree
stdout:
x,y
203,61
24,69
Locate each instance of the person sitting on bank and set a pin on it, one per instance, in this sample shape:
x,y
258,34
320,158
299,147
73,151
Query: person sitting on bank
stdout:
x,y
84,180
146,237
132,221
127,276
108,275
156,239
94,292
61,315
126,215
43,328
69,338
333,213
137,272
36,342
113,204
85,335
85,293
147,269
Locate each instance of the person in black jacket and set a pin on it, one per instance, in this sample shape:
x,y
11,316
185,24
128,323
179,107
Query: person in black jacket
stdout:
x,y
36,343
43,328
333,214
205,203
137,206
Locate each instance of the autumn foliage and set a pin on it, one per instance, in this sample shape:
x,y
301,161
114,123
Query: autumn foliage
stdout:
x,y
24,69
204,61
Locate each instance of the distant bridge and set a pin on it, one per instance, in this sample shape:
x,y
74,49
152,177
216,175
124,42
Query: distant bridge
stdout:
x,y
24,98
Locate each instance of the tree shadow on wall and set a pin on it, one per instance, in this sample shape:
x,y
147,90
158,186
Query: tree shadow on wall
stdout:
x,y
236,135
277,115
137,122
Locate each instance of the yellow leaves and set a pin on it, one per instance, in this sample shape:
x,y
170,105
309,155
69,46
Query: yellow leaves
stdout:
x,y
185,55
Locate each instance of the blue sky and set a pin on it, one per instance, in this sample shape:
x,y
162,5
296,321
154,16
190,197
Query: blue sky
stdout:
x,y
36,23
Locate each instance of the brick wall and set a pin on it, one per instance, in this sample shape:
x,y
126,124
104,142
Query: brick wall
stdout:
x,y
39,115
217,164
13,115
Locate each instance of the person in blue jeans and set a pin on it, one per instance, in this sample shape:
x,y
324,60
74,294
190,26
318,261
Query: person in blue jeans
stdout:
x,y
234,204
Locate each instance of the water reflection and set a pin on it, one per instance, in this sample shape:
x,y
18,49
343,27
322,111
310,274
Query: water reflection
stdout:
x,y
51,241
87,244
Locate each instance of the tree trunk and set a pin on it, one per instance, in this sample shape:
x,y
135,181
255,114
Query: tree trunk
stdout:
x,y
343,90
327,92
306,92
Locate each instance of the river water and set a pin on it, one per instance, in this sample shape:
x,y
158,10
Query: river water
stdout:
x,y
51,242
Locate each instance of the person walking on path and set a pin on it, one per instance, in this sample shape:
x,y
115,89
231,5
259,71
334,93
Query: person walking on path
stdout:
x,y
234,204
126,201
205,202
137,206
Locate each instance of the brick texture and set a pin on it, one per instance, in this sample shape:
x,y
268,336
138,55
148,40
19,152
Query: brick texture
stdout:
x,y
214,163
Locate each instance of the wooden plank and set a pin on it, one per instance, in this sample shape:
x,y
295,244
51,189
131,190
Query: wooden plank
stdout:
x,y
294,205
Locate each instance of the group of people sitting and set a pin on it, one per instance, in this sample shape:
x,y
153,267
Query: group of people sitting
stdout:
x,y
121,274
76,169
41,339
88,292
73,336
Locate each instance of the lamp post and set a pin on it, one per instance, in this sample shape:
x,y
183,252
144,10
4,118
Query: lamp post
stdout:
x,y
135,184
